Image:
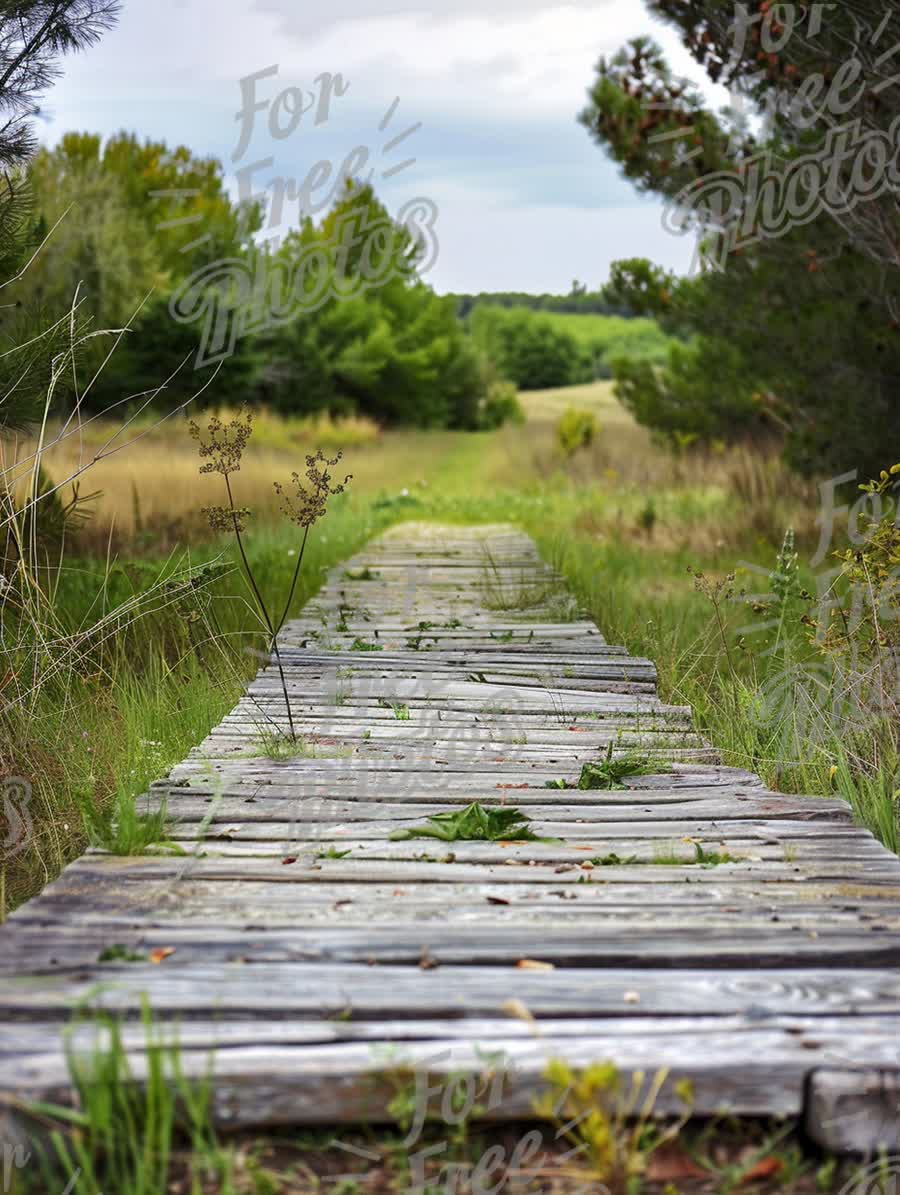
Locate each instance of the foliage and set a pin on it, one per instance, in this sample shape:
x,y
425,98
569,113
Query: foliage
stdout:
x,y
38,347
608,1124
393,351
123,1135
702,393
306,503
866,630
528,349
500,405
800,328
34,35
121,829
475,824
610,772
579,301
127,240
575,429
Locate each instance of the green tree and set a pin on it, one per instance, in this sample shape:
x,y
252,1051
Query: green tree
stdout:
x,y
37,346
527,349
382,342
804,321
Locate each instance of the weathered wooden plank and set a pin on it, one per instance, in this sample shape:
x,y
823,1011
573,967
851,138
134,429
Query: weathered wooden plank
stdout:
x,y
744,976
857,1110
761,1073
392,936
273,989
791,816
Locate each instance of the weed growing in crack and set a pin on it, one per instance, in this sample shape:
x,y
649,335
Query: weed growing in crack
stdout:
x,y
475,824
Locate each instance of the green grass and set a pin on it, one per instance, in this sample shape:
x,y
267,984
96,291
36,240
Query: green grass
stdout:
x,y
669,857
122,1135
124,711
609,772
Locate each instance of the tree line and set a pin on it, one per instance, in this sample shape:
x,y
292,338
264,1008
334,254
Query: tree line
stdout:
x,y
118,228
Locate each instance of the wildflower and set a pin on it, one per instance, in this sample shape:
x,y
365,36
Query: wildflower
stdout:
x,y
308,504
226,443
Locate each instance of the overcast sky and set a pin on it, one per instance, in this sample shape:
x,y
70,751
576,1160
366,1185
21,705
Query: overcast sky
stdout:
x,y
526,201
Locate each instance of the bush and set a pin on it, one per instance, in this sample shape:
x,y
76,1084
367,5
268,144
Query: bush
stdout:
x,y
703,393
576,429
528,349
500,405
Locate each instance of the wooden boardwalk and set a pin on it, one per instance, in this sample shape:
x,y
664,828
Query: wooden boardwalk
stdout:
x,y
443,666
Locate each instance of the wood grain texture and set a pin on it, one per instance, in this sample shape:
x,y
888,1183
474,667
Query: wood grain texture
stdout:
x,y
685,917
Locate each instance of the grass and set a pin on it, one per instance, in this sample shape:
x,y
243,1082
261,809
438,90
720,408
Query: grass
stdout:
x,y
609,772
590,1126
273,744
670,857
121,1134
155,634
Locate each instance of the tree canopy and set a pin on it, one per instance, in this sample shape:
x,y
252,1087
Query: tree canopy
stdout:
x,y
796,322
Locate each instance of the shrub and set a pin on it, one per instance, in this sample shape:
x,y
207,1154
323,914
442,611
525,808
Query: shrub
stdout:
x,y
529,349
702,392
576,429
500,405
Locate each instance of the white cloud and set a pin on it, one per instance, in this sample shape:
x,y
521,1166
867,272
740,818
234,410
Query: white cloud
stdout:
x,y
497,90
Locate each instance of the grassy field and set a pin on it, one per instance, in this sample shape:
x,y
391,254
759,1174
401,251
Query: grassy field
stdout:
x,y
612,335
148,651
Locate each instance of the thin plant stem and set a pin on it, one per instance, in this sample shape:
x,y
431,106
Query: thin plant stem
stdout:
x,y
262,608
287,604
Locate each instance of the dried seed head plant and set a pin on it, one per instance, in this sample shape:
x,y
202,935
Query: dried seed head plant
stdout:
x,y
307,505
226,443
221,450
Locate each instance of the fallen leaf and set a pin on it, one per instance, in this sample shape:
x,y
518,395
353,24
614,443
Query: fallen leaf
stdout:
x,y
228,832
764,1168
533,964
289,859
515,1008
670,1163
161,953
